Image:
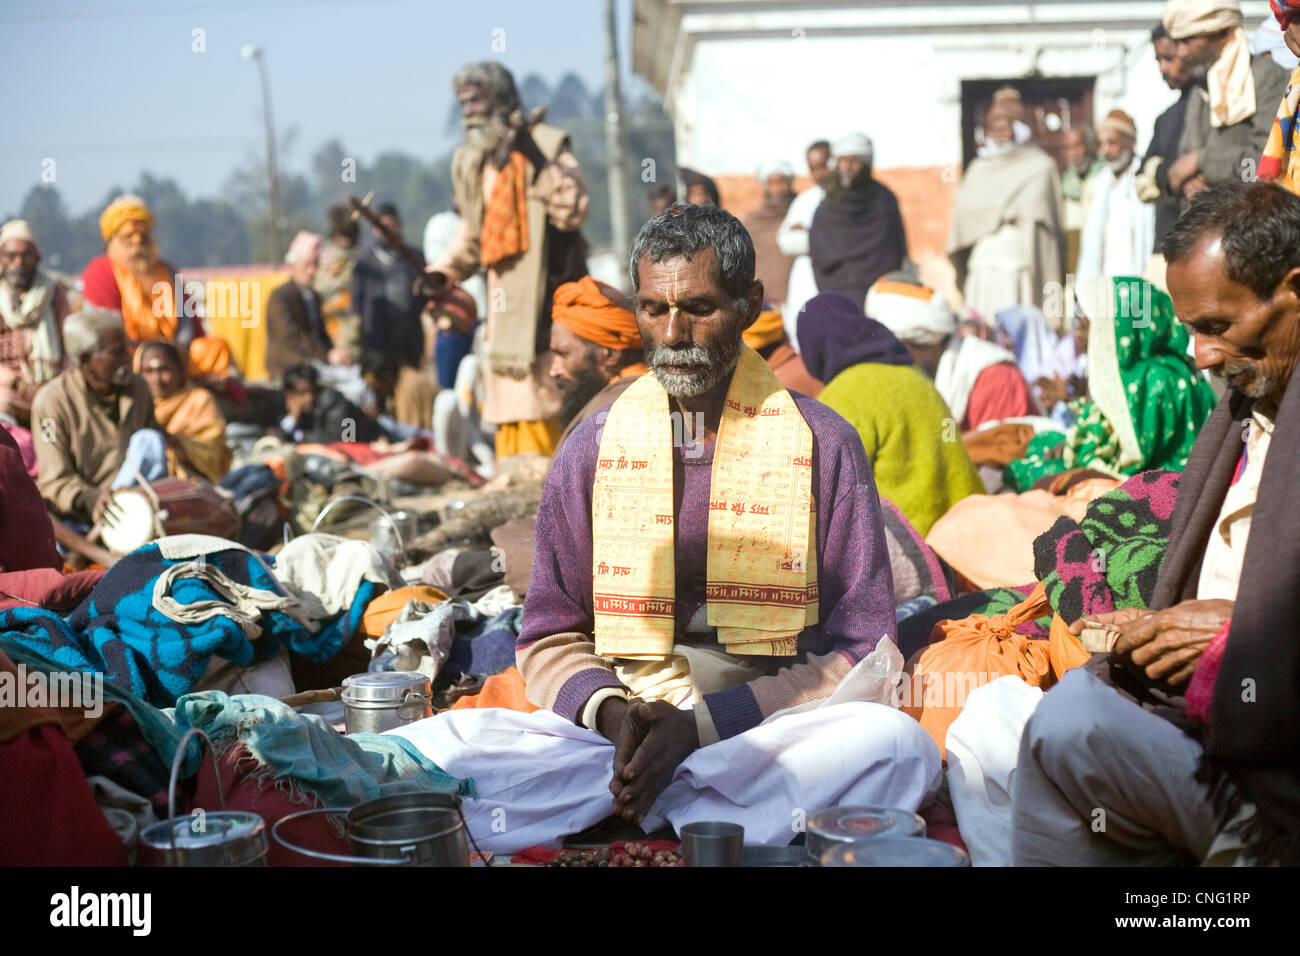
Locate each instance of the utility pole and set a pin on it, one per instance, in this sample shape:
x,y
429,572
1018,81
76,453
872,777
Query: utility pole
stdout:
x,y
615,151
255,54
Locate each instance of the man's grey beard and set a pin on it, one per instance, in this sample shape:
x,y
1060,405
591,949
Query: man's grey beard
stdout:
x,y
1120,164
1255,385
18,280
710,366
481,133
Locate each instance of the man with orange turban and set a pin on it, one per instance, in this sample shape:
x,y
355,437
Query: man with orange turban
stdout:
x,y
596,349
767,337
130,278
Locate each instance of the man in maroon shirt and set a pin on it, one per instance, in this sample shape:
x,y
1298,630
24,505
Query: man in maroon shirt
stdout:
x,y
700,727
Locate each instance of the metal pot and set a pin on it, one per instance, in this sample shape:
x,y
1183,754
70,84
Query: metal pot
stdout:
x,y
851,825
909,851
379,701
217,838
425,828
412,829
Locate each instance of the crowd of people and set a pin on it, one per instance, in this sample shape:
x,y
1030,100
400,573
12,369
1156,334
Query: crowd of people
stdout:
x,y
713,524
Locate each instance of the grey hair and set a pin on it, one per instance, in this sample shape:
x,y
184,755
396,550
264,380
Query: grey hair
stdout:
x,y
495,79
1089,134
81,330
681,230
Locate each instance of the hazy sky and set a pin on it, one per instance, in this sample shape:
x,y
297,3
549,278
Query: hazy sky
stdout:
x,y
107,88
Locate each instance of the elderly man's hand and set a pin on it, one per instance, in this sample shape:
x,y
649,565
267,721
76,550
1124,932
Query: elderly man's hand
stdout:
x,y
1195,186
1168,644
654,739
103,506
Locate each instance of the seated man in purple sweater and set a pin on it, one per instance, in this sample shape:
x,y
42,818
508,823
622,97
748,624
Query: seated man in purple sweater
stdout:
x,y
710,567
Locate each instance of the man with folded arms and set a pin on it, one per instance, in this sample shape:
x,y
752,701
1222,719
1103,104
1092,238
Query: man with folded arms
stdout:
x,y
687,592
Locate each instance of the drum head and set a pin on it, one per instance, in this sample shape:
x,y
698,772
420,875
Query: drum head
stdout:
x,y
134,526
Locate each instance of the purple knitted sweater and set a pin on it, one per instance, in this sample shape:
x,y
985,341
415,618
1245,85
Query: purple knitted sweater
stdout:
x,y
556,651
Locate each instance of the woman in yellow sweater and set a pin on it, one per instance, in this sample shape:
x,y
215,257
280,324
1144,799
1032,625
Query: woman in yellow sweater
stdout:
x,y
911,438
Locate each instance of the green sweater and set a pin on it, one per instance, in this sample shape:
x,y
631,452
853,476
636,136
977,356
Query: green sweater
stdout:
x,y
911,438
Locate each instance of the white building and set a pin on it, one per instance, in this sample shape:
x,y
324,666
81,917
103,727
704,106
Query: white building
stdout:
x,y
749,80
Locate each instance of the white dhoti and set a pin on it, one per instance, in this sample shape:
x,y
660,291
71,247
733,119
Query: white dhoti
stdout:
x,y
539,777
983,744
999,275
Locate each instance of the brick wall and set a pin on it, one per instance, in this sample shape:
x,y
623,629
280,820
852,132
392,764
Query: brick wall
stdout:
x,y
925,196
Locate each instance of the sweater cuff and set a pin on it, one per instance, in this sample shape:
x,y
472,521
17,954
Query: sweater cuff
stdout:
x,y
577,690
591,709
734,710
1200,690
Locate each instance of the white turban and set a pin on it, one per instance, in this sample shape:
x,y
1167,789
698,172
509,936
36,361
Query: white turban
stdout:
x,y
914,313
1191,18
854,144
775,167
18,229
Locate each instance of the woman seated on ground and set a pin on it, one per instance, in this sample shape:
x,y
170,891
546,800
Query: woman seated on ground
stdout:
x,y
1144,400
189,414
911,438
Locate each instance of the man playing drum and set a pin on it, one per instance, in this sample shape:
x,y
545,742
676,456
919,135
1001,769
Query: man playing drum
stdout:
x,y
93,426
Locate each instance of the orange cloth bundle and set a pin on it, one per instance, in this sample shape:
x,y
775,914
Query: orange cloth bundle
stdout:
x,y
596,312
384,609
505,218
500,690
973,652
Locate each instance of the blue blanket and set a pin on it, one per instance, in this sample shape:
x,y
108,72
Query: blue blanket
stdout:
x,y
118,632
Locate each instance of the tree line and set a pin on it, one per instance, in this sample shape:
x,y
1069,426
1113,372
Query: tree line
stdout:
x,y
232,229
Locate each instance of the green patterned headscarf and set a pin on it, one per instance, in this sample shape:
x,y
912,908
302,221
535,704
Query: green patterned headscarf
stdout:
x,y
1146,400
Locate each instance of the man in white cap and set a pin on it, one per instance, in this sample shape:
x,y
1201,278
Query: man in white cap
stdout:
x,y
792,237
32,309
1232,107
1120,231
857,232
771,265
980,381
1006,241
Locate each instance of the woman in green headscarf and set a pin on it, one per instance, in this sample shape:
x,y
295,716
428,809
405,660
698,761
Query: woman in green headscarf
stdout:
x,y
1145,400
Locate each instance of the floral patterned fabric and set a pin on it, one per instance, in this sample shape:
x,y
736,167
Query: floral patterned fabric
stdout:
x,y
1146,399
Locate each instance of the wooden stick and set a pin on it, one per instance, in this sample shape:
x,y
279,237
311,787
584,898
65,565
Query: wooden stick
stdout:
x,y
313,697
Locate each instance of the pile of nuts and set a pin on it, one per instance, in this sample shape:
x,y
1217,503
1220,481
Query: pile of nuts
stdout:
x,y
632,854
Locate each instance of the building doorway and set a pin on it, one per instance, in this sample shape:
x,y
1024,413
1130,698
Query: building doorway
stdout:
x,y
1052,104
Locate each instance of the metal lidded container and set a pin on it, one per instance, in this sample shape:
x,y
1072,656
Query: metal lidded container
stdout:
x,y
219,838
379,701
216,838
849,825
909,851
422,829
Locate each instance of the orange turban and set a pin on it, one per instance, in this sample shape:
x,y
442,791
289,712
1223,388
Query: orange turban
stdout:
x,y
122,210
596,312
767,329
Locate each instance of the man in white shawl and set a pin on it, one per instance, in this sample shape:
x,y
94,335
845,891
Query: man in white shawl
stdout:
x,y
980,381
32,309
792,237
1230,113
1006,241
1120,231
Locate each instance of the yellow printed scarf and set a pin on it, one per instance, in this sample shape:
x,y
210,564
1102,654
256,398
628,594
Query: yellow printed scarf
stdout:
x,y
761,587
